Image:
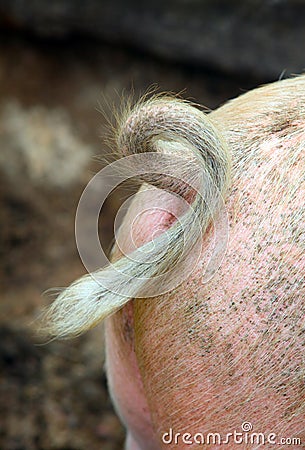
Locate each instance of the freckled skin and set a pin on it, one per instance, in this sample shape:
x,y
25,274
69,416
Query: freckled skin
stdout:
x,y
207,357
124,378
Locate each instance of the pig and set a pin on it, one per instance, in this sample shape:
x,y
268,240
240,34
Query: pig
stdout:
x,y
214,362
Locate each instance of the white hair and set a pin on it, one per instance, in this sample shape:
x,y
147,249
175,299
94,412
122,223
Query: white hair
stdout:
x,y
151,126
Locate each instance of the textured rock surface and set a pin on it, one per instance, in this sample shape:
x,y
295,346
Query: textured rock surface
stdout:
x,y
54,396
39,144
262,38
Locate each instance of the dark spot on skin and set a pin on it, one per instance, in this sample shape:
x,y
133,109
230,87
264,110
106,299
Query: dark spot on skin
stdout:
x,y
128,323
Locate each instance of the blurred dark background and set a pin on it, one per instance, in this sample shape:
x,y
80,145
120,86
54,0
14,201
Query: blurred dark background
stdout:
x,y
60,62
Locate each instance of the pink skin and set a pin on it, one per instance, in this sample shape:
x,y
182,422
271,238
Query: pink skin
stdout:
x,y
125,383
124,378
209,357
